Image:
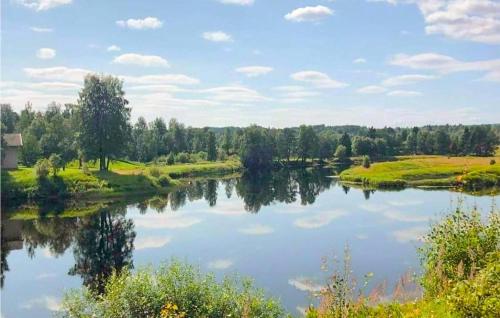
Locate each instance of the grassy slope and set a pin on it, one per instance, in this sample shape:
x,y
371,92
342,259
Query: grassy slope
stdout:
x,y
123,178
428,171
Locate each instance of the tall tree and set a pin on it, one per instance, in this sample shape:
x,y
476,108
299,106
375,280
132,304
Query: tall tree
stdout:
x,y
227,139
211,147
345,141
104,118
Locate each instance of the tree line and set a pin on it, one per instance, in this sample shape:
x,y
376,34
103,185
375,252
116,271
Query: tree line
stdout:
x,y
98,128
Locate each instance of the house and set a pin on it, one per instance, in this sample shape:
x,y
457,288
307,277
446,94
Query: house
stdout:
x,y
13,144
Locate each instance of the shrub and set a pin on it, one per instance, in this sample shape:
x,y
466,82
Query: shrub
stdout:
x,y
42,168
177,289
56,163
341,152
85,168
164,180
366,162
479,296
182,157
202,155
456,249
154,171
171,159
492,162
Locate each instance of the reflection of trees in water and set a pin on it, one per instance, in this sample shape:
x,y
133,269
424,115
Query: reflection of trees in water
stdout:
x,y
56,234
103,243
211,192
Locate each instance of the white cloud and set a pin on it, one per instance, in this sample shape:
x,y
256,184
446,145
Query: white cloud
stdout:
x,y
254,71
372,89
235,93
405,202
318,219
407,79
46,53
220,264
147,242
304,284
257,229
142,60
161,79
140,24
165,221
45,276
48,302
412,234
308,14
57,73
43,5
359,61
41,30
217,36
113,48
318,79
402,93
238,2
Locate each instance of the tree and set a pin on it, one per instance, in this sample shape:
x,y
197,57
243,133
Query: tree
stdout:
x,y
104,119
341,152
211,147
366,162
227,139
411,141
345,141
55,163
307,144
256,149
287,139
30,151
363,146
443,142
9,118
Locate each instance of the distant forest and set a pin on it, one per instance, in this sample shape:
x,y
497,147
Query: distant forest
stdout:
x,y
99,127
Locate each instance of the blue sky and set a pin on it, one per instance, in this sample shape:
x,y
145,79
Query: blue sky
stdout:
x,y
271,62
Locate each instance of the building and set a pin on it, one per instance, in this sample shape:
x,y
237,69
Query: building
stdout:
x,y
13,144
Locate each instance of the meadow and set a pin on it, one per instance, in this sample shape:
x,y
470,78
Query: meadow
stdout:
x,y
428,171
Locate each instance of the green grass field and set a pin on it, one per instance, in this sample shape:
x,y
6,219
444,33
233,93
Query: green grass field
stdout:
x,y
123,178
428,171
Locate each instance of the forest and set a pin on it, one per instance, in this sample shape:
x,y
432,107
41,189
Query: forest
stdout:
x,y
99,128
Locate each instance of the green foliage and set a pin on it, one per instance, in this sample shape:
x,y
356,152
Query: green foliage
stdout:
x,y
42,168
56,163
154,171
174,287
211,147
366,162
457,248
492,162
182,157
170,159
164,180
256,149
341,152
479,296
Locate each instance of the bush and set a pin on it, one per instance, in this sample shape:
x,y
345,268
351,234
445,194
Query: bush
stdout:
x,y
366,162
171,159
492,162
480,296
182,157
154,171
341,152
174,290
164,180
56,163
85,168
42,168
456,248
202,155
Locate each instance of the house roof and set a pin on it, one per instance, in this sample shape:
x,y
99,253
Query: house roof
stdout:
x,y
13,140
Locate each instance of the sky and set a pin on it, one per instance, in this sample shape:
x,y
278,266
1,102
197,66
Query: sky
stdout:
x,y
270,62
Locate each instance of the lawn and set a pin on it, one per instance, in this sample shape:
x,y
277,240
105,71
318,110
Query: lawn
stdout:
x,y
474,172
123,178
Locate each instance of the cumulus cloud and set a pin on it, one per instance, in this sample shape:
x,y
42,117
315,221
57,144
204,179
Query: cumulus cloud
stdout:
x,y
407,79
305,284
57,73
149,242
41,30
165,221
318,219
372,89
254,71
43,5
113,48
46,53
161,79
217,36
220,264
359,61
142,60
309,14
140,24
318,79
48,302
411,234
235,94
403,93
238,2
256,229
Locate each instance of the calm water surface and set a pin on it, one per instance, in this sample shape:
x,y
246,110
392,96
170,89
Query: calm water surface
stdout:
x,y
275,228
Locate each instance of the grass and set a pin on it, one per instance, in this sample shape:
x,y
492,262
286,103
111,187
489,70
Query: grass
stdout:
x,y
428,171
123,178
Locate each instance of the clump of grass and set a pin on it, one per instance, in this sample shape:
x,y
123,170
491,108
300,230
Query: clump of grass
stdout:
x,y
177,289
154,171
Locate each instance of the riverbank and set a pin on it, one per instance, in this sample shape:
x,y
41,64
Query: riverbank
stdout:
x,y
123,179
468,173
